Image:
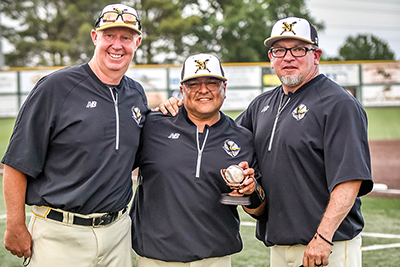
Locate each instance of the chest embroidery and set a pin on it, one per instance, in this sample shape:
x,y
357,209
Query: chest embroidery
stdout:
x,y
299,112
136,114
231,148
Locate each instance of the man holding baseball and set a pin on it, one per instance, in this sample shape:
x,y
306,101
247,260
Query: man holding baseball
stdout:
x,y
177,217
71,153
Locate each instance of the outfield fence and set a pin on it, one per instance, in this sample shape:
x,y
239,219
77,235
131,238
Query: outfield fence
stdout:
x,y
374,83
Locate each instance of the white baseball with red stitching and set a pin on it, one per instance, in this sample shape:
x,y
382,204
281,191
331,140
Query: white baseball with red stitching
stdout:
x,y
234,174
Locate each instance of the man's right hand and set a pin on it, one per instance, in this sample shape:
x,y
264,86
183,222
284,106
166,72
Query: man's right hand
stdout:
x,y
18,241
172,105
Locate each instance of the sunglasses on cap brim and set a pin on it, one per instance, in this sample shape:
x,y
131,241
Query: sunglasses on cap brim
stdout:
x,y
112,16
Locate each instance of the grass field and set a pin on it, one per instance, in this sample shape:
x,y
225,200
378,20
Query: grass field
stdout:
x,y
382,216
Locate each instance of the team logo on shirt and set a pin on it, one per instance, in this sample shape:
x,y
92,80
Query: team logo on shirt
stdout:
x,y
136,114
299,112
231,148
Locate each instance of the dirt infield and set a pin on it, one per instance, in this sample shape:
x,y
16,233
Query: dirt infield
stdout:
x,y
385,161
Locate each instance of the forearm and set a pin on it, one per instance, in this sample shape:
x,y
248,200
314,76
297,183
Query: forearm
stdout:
x,y
14,190
17,238
341,202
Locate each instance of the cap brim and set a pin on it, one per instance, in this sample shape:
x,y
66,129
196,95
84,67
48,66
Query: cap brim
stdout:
x,y
204,75
118,24
270,41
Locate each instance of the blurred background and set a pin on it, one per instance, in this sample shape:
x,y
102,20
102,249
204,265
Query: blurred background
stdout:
x,y
360,40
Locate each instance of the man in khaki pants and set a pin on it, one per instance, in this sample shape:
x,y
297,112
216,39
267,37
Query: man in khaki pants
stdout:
x,y
71,155
177,217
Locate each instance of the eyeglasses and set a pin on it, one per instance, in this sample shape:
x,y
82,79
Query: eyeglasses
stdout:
x,y
194,86
112,16
297,51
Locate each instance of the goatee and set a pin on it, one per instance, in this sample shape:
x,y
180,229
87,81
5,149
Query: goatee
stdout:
x,y
291,81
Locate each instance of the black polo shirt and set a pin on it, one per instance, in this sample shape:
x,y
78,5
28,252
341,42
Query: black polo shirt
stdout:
x,y
307,144
75,144
176,213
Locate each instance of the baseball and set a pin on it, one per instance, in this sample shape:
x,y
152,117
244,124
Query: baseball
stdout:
x,y
234,174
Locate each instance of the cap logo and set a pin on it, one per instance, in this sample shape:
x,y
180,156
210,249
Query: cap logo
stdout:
x,y
288,27
201,65
119,10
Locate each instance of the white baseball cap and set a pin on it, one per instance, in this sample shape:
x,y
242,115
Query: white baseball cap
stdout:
x,y
118,15
202,65
294,28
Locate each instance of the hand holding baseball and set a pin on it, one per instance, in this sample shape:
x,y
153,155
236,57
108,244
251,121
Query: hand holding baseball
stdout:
x,y
240,178
248,183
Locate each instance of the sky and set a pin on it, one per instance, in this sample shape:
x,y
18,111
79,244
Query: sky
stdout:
x,y
343,18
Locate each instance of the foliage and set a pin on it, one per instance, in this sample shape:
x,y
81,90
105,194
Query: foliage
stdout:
x,y
50,32
365,47
57,32
236,30
164,29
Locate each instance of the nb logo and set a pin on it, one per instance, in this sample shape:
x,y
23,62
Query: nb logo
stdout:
x,y
174,135
265,109
91,104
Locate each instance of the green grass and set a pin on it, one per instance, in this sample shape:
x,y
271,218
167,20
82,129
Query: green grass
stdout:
x,y
6,127
383,123
381,216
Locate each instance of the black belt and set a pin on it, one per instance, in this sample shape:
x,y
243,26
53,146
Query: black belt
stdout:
x,y
95,221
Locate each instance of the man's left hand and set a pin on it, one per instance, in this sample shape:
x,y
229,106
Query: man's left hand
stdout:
x,y
249,182
317,253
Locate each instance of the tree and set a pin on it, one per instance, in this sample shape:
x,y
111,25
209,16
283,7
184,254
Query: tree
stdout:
x,y
365,47
51,32
164,30
236,29
57,32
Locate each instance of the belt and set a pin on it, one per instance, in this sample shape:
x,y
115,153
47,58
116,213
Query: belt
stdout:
x,y
96,221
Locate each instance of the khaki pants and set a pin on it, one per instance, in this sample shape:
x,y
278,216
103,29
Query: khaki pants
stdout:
x,y
63,244
211,262
344,254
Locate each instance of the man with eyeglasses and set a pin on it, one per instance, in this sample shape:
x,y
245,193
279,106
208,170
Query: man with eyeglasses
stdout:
x,y
71,154
177,217
310,137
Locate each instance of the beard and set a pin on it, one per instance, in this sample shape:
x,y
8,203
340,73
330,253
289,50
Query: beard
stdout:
x,y
291,81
